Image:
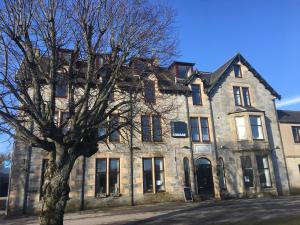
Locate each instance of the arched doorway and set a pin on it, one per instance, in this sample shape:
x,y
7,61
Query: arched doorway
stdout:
x,y
204,177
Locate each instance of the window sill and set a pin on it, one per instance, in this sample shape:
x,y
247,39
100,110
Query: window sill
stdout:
x,y
112,195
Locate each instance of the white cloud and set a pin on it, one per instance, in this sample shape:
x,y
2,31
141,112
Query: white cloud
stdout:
x,y
288,101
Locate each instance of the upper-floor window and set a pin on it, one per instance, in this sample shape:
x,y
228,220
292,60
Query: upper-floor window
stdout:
x,y
114,124
196,94
296,134
256,127
241,93
237,95
182,71
241,128
195,131
151,130
246,96
149,91
237,71
61,87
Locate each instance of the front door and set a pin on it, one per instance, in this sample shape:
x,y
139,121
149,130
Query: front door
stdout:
x,y
204,177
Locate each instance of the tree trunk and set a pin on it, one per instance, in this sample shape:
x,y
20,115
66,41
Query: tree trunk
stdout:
x,y
55,193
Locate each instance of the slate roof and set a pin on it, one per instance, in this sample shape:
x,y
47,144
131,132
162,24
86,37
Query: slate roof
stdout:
x,y
214,80
287,116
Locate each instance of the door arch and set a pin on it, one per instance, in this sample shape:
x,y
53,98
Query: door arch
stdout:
x,y
204,177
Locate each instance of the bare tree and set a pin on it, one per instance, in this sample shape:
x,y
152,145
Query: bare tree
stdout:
x,y
105,36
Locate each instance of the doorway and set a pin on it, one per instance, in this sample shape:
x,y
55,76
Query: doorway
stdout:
x,y
204,177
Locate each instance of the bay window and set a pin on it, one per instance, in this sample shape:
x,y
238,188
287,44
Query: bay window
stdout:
x,y
247,171
256,127
264,171
241,128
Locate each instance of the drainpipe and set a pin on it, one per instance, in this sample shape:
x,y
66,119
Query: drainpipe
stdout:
x,y
28,166
190,142
83,183
283,152
131,151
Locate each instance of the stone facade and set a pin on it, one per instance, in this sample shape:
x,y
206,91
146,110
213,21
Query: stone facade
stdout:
x,y
203,156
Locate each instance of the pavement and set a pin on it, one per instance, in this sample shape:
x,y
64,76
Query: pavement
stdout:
x,y
233,211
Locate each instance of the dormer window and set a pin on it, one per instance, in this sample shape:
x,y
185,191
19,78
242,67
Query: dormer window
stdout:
x,y
237,71
182,71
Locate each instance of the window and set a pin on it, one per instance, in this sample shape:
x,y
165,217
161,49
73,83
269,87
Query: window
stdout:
x,y
204,129
158,175
246,96
296,134
100,176
147,175
237,96
247,171
241,128
264,171
299,167
61,87
44,167
195,129
237,71
179,129
196,94
112,176
221,174
114,123
156,128
256,127
147,128
149,91
182,71
186,170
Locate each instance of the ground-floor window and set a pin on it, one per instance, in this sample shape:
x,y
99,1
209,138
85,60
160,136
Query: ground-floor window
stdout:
x,y
264,171
44,167
186,169
107,176
221,174
247,171
154,178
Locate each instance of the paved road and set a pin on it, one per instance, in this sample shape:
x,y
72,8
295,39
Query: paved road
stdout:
x,y
204,213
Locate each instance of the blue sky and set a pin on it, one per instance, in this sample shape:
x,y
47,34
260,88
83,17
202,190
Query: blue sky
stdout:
x,y
266,33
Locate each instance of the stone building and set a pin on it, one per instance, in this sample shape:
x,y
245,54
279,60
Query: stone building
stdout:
x,y
289,122
222,140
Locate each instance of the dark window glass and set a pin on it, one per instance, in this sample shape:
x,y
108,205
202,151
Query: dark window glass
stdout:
x,y
149,91
146,128
100,176
179,129
299,167
159,174
264,171
247,171
194,123
156,128
296,134
256,127
61,87
237,71
196,94
44,167
114,176
147,175
246,96
221,174
237,96
186,169
114,123
204,129
182,71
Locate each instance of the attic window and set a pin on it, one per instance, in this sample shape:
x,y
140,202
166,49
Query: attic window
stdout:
x,y
237,71
182,71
